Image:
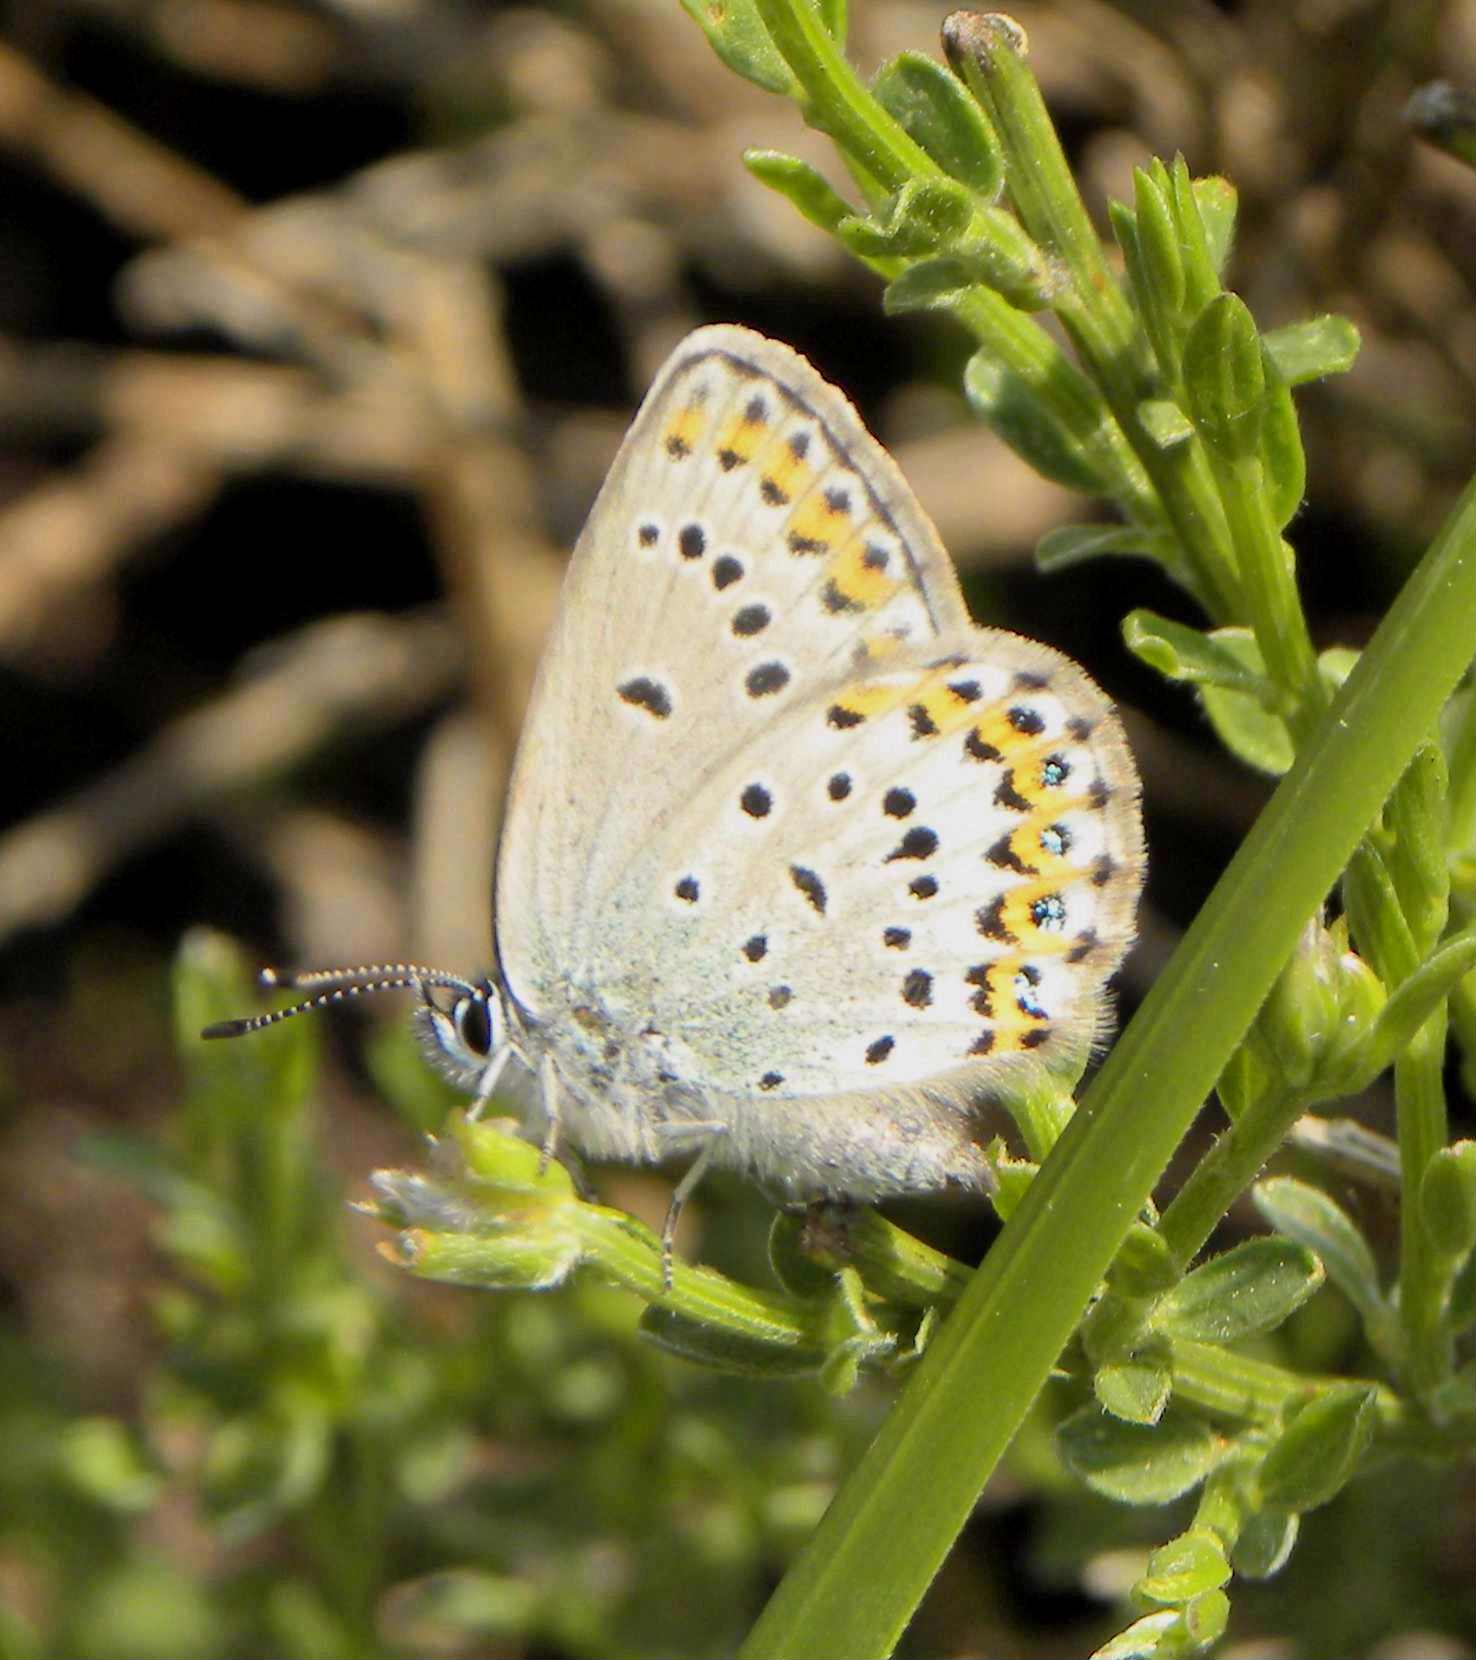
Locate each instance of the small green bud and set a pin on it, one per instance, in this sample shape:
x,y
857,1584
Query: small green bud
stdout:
x,y
1301,1016
1448,1200
1144,1265
539,1250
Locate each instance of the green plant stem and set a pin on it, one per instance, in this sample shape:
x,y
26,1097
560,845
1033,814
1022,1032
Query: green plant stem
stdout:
x,y
838,104
1269,590
1419,1098
989,52
1226,1170
1024,348
886,1533
989,56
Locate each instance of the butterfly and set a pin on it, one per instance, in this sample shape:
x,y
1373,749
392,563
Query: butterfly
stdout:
x,y
800,871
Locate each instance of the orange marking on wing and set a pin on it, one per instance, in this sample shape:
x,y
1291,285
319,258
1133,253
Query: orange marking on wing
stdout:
x,y
683,432
740,438
784,474
860,582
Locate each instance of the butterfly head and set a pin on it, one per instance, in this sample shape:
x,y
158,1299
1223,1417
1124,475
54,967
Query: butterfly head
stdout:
x,y
467,1037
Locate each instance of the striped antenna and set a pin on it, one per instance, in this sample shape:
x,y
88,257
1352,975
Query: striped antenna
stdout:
x,y
336,985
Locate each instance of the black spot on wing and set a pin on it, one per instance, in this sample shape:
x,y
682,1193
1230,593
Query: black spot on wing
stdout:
x,y
726,571
767,679
917,988
751,619
989,920
810,885
644,693
918,843
878,1051
1006,795
692,541
1002,856
687,889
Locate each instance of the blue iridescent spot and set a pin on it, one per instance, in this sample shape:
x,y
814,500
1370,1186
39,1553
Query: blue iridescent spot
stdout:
x,y
1053,772
1025,999
1055,838
1049,912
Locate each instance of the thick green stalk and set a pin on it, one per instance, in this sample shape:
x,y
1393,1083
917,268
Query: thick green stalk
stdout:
x,y
885,1535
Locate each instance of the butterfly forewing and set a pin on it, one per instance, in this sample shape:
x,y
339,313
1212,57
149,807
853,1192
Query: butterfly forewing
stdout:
x,y
750,539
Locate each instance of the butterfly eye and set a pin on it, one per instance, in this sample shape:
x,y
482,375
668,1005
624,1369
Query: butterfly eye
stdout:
x,y
473,1022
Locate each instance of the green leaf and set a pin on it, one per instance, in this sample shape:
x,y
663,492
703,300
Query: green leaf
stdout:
x,y
1309,1216
1165,423
1243,724
1144,1265
1225,378
1320,1450
1202,251
1135,1464
1393,1027
1184,1568
725,1349
931,284
1241,1083
935,111
1335,665
1283,461
1181,653
1249,1289
99,1458
796,180
738,36
1011,408
926,214
1158,1636
1217,202
1417,861
1135,1390
833,15
1068,545
1310,350
1159,256
1264,1543
1448,1199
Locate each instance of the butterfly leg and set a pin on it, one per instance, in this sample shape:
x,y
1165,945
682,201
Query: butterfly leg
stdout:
x,y
548,1089
487,1084
707,1136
